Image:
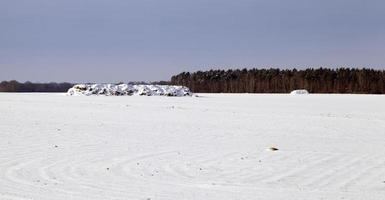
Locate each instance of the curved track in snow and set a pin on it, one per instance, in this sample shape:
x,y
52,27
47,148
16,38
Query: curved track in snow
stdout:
x,y
216,147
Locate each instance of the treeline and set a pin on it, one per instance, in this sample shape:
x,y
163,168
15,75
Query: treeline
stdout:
x,y
14,86
321,80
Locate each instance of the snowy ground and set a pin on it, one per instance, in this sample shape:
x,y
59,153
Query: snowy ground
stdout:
x,y
213,147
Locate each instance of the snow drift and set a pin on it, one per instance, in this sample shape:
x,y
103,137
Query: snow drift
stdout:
x,y
128,90
299,92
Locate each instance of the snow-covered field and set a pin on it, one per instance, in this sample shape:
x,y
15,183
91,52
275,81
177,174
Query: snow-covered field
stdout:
x,y
212,147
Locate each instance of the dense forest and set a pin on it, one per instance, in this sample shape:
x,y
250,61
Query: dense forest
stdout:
x,y
321,80
14,86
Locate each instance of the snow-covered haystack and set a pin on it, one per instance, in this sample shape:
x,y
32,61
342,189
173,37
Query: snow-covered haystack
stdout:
x,y
299,92
128,90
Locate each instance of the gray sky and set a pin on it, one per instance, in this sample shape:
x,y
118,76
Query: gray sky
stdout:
x,y
124,40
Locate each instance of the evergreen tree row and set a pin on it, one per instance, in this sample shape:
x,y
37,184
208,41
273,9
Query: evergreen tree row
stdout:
x,y
321,80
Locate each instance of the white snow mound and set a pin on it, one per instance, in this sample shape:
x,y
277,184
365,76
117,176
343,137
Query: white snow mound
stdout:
x,y
299,92
128,90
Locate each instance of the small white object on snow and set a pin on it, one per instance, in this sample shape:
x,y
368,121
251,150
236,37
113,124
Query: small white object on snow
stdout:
x,y
299,92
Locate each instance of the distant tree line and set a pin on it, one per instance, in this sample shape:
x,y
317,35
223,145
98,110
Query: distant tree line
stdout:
x,y
14,86
321,80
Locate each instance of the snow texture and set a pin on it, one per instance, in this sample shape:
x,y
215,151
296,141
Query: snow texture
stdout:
x,y
128,90
218,147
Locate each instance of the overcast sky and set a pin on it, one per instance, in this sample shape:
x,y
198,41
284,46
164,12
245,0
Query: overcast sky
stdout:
x,y
127,40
